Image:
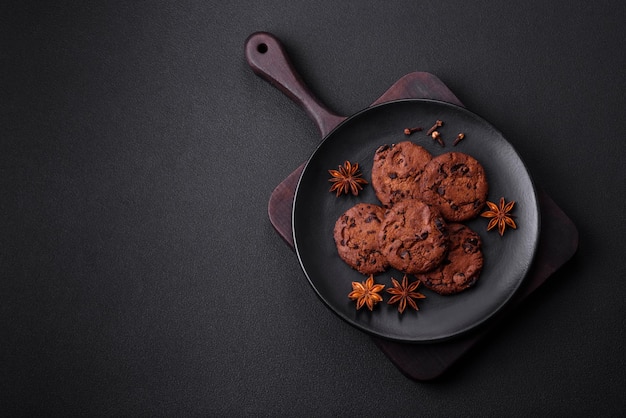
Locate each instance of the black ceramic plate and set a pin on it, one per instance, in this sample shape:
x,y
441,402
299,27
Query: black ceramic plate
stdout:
x,y
506,259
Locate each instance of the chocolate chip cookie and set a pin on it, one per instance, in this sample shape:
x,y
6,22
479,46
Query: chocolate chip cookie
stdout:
x,y
456,184
462,265
397,171
413,236
356,237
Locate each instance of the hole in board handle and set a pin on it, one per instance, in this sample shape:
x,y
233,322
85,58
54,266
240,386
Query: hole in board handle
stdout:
x,y
262,48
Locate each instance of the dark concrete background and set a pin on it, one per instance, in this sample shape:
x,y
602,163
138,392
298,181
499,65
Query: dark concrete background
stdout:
x,y
139,273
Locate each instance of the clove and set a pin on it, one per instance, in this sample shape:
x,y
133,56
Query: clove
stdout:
x,y
409,131
459,138
437,124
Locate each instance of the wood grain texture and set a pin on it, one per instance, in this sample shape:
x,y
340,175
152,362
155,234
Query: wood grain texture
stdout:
x,y
268,59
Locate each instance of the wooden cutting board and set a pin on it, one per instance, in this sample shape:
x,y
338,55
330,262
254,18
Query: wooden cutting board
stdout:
x,y
558,240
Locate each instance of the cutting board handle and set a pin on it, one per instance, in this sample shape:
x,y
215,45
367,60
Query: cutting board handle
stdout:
x,y
267,58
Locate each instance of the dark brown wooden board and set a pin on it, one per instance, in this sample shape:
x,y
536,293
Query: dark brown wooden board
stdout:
x,y
557,244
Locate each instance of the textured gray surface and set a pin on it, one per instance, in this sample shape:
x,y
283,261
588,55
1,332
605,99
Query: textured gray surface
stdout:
x,y
140,275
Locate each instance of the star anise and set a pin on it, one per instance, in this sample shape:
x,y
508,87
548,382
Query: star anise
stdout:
x,y
347,179
500,215
404,293
366,293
